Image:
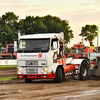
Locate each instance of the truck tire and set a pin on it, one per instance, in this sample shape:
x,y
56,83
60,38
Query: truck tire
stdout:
x,y
58,78
95,67
84,71
28,80
63,76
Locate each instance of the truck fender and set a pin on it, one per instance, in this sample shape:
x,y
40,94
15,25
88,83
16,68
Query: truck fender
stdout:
x,y
79,61
54,67
61,66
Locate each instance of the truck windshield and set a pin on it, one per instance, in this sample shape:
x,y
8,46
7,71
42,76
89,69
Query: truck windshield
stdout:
x,y
78,51
36,45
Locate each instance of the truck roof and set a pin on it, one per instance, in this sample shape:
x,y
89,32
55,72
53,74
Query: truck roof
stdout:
x,y
40,35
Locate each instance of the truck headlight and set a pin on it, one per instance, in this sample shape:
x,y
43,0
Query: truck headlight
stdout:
x,y
20,69
45,69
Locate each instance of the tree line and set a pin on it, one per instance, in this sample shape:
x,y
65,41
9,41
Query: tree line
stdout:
x,y
10,24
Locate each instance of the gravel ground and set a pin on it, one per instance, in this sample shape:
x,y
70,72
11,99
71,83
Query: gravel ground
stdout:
x,y
17,89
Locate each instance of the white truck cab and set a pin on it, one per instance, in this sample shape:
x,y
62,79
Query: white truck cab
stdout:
x,y
37,56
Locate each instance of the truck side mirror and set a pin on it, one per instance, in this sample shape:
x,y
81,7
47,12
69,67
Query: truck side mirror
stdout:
x,y
54,45
15,46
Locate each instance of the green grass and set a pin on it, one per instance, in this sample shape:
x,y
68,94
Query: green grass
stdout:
x,y
7,78
7,66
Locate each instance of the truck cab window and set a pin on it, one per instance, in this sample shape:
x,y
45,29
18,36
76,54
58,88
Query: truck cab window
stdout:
x,y
54,40
34,45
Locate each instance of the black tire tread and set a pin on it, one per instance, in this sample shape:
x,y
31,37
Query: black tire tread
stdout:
x,y
81,75
58,78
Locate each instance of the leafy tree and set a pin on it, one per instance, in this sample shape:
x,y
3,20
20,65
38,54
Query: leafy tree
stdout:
x,y
46,24
20,26
32,25
53,24
67,32
68,49
6,34
39,26
10,22
56,25
9,26
89,32
2,31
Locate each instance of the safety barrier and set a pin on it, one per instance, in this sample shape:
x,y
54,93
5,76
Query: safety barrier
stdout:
x,y
8,62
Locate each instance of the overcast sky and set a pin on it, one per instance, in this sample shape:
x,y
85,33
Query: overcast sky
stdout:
x,y
77,12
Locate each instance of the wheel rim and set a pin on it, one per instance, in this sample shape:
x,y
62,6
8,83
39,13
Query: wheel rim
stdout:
x,y
84,71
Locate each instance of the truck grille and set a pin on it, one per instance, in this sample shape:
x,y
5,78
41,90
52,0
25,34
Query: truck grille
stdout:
x,y
32,63
31,71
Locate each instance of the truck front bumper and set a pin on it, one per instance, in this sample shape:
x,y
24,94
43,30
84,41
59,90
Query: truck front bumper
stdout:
x,y
35,76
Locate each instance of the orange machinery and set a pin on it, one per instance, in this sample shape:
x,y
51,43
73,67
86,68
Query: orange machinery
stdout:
x,y
77,51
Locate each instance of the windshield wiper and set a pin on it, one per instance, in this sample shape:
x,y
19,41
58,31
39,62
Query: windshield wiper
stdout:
x,y
22,50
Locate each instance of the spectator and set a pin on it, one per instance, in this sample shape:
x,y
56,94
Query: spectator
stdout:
x,y
4,56
8,55
1,56
14,56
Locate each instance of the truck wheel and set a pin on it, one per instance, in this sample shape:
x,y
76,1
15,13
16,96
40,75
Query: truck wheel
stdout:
x,y
63,76
84,71
58,78
28,80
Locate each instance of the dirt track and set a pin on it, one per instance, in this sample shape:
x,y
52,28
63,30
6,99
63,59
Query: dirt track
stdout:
x,y
8,72
48,90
